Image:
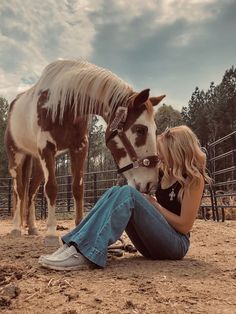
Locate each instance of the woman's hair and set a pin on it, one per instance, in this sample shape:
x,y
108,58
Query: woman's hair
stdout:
x,y
183,157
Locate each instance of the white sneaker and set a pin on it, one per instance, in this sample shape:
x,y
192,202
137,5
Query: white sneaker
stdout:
x,y
69,259
57,252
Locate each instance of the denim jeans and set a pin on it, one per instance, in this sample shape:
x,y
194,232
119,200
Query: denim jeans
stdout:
x,y
125,209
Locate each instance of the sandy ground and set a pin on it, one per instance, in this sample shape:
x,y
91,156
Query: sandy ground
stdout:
x,y
203,282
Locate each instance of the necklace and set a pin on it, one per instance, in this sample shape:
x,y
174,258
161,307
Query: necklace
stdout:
x,y
172,194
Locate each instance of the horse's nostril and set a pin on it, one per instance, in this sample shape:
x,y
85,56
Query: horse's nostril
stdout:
x,y
148,187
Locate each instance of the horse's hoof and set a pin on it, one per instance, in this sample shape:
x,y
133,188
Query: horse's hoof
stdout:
x,y
15,233
130,248
51,241
33,231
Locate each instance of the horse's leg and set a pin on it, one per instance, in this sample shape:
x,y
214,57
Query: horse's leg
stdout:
x,y
47,160
37,177
77,164
15,169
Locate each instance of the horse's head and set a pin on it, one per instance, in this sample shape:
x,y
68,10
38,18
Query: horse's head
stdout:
x,y
131,138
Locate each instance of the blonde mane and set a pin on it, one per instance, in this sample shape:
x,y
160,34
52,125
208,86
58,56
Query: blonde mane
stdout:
x,y
85,87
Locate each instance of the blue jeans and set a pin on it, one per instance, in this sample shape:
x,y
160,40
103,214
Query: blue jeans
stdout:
x,y
125,209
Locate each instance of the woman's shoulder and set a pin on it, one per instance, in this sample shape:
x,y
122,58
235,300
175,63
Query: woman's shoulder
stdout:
x,y
194,183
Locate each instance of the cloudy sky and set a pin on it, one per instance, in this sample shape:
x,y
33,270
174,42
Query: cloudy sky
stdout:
x,y
170,46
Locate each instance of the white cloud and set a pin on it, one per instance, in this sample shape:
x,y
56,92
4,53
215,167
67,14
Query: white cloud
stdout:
x,y
164,44
34,33
166,11
193,11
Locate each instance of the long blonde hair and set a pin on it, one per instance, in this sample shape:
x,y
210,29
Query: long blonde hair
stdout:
x,y
183,157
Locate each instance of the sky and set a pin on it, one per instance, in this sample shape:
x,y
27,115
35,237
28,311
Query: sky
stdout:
x,y
169,46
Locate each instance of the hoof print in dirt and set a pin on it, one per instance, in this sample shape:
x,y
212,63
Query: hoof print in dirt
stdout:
x,y
10,291
129,305
15,233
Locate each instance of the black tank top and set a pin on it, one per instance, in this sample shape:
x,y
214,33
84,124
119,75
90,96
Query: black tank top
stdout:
x,y
168,198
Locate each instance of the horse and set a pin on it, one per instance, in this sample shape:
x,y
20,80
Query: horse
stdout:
x,y
52,117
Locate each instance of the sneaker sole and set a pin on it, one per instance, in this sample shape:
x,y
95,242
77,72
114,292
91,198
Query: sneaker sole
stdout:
x,y
78,267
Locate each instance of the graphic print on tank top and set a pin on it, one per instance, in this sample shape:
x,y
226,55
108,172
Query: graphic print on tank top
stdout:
x,y
168,198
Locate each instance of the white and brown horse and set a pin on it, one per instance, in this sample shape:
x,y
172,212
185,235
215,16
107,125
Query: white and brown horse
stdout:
x,y
52,116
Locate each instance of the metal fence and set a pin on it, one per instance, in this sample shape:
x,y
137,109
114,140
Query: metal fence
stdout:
x,y
216,199
222,168
95,185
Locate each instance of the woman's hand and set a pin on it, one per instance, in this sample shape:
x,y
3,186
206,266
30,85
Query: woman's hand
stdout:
x,y
151,198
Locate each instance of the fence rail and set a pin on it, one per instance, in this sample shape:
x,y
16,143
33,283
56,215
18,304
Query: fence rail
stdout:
x,y
215,200
95,185
222,169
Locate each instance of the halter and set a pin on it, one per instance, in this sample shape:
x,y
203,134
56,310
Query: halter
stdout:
x,y
117,129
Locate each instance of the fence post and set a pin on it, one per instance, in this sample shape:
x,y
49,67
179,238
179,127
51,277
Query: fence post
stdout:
x,y
234,152
68,194
208,151
9,196
95,187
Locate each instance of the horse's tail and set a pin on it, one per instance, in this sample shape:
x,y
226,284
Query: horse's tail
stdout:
x,y
26,174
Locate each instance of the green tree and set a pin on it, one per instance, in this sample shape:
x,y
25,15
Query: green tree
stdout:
x,y
166,116
3,123
212,114
196,115
99,158
224,113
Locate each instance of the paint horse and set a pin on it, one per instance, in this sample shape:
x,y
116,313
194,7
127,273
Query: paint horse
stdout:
x,y
52,117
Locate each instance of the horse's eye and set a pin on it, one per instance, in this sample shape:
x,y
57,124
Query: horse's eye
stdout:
x,y
141,130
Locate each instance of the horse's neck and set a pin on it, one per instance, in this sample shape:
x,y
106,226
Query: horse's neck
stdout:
x,y
105,114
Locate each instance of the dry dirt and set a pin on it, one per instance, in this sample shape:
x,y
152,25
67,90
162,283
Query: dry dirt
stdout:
x,y
203,282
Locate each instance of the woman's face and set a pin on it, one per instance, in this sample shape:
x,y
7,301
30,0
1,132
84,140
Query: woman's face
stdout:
x,y
162,157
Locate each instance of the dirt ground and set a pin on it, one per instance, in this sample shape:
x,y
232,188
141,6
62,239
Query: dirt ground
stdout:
x,y
203,282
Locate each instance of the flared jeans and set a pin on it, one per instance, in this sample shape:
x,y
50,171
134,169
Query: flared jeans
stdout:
x,y
126,209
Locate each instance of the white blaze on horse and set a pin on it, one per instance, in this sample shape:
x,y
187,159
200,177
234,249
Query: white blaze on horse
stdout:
x,y
52,116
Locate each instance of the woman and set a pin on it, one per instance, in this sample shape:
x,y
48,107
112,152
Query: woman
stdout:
x,y
159,226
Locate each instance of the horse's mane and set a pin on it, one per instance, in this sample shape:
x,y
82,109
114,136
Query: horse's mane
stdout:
x,y
81,85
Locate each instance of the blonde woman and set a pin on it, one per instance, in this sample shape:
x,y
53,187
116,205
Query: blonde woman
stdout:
x,y
159,226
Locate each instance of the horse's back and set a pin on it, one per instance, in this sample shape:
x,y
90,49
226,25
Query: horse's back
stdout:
x,y
22,123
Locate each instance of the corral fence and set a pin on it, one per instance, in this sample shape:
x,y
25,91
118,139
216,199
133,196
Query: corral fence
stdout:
x,y
95,185
218,202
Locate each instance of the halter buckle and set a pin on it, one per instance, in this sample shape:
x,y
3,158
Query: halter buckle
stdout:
x,y
146,162
136,164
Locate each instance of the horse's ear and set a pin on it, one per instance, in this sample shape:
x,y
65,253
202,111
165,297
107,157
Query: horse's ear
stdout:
x,y
156,100
141,97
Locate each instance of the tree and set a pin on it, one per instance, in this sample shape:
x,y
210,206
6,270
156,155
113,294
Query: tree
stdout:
x,y
225,103
212,114
99,158
196,115
167,117
3,123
